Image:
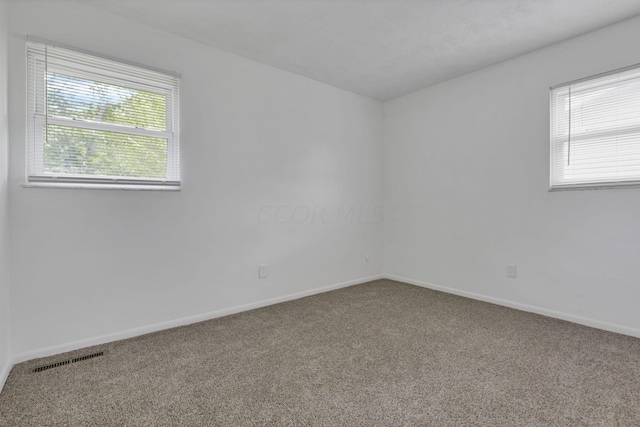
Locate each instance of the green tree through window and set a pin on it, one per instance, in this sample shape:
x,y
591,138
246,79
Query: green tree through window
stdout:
x,y
82,151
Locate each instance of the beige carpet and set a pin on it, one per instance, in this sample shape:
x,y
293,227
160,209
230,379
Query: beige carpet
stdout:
x,y
382,353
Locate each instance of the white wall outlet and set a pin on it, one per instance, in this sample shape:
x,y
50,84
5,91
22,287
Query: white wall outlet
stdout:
x,y
263,271
367,258
512,271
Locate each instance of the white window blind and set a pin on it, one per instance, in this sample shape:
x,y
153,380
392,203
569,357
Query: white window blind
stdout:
x,y
595,131
100,121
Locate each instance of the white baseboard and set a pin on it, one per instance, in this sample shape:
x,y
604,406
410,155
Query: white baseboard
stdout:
x,y
130,333
4,374
611,327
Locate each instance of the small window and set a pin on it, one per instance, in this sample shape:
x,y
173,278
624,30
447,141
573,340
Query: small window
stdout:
x,y
595,131
94,120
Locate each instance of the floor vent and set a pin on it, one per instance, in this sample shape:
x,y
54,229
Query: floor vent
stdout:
x,y
68,362
88,356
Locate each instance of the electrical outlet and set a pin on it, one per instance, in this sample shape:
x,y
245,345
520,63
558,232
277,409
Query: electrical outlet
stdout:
x,y
512,271
263,271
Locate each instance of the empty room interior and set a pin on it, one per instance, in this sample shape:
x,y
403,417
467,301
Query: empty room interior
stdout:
x,y
319,212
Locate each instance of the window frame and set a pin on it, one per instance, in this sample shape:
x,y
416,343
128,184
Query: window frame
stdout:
x,y
555,147
145,79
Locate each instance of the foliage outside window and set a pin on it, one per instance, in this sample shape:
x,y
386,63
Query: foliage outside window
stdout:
x,y
98,121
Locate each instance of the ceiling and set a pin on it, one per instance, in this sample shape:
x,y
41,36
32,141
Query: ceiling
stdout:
x,y
378,48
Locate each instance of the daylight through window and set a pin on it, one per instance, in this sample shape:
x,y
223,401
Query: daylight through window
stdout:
x,y
96,120
595,131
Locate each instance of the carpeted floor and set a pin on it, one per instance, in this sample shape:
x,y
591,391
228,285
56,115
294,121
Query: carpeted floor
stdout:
x,y
382,353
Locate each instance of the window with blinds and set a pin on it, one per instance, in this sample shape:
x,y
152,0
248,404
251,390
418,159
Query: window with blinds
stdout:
x,y
595,131
95,120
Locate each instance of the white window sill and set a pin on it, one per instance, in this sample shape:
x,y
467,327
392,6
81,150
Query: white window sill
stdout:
x,y
603,186
86,186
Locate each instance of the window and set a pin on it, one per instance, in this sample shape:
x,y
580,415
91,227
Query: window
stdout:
x,y
595,131
94,120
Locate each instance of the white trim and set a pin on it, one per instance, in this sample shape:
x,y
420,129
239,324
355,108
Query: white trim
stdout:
x,y
596,76
598,324
595,186
130,333
47,42
88,186
4,373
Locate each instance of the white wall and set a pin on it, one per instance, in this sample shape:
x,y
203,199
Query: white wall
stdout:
x,y
90,265
462,200
466,178
5,362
